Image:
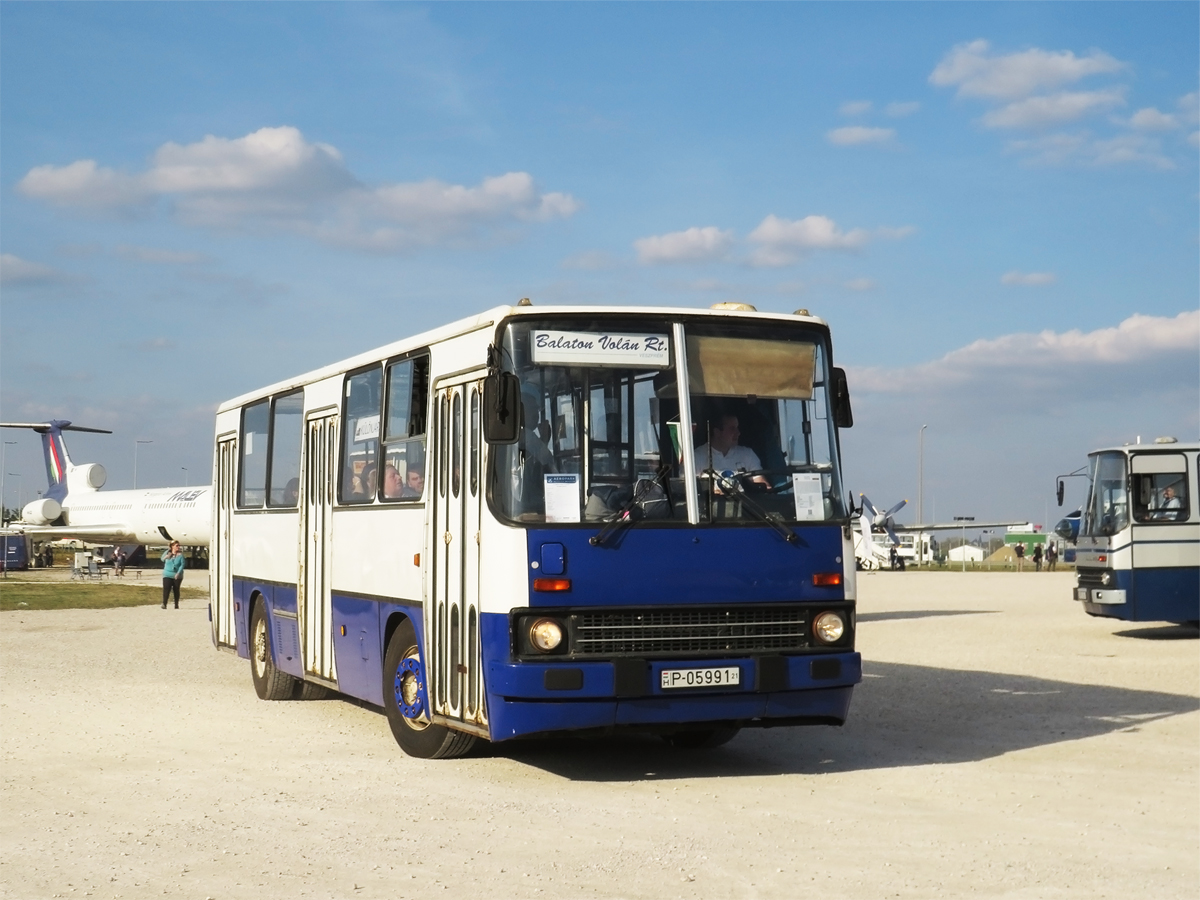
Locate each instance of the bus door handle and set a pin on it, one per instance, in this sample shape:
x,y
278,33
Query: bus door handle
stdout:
x,y
447,537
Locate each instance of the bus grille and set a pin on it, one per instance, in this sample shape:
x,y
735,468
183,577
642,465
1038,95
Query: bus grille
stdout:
x,y
690,631
1089,577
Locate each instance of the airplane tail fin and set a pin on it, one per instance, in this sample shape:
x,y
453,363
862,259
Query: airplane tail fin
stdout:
x,y
58,462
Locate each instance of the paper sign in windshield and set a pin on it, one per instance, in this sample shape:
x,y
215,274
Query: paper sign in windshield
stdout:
x,y
562,498
594,348
366,428
806,488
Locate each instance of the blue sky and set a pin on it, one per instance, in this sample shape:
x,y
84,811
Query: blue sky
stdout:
x,y
995,206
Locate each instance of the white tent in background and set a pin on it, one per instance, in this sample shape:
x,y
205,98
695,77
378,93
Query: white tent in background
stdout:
x,y
973,554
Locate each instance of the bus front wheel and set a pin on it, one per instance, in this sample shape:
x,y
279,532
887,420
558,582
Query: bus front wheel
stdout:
x,y
404,699
269,682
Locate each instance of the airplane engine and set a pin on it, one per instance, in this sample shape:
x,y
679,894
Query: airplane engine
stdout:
x,y
90,474
41,512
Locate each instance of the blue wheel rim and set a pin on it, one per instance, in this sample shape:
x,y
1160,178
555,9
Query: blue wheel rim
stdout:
x,y
410,666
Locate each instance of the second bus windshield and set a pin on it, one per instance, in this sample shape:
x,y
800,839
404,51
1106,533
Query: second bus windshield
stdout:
x,y
601,432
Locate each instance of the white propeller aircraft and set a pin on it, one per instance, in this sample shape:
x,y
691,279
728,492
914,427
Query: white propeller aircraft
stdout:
x,y
877,532
73,506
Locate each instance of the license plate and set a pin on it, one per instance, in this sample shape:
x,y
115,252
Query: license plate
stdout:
x,y
1081,593
724,676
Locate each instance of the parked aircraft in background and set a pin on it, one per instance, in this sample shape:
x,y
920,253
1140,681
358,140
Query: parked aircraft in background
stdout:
x,y
878,533
73,506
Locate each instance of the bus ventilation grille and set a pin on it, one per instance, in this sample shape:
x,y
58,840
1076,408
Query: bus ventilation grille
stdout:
x,y
690,631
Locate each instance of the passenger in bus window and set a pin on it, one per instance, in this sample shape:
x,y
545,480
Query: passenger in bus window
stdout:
x,y
415,482
291,492
393,485
370,482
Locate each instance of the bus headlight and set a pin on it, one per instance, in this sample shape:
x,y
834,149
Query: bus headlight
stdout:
x,y
545,635
828,628
1108,578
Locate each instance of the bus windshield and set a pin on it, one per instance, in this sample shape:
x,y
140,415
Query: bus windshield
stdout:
x,y
602,438
1108,507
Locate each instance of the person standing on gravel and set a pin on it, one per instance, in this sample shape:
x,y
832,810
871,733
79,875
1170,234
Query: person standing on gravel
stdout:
x,y
172,572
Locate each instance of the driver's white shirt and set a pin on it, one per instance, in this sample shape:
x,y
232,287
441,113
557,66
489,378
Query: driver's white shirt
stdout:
x,y
738,459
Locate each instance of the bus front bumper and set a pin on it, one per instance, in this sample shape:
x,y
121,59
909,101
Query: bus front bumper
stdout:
x,y
543,698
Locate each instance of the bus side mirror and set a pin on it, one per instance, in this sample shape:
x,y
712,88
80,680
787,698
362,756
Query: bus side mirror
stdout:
x,y
1061,486
501,408
843,416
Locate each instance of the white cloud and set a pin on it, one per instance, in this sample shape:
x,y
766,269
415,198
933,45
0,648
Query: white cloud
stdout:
x,y
275,176
900,110
1194,139
1189,107
852,135
158,255
1083,148
977,73
1150,119
1050,357
855,107
782,241
860,284
1054,109
692,245
15,271
1028,279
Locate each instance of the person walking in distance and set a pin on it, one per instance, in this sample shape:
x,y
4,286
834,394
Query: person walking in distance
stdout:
x,y
1020,551
172,572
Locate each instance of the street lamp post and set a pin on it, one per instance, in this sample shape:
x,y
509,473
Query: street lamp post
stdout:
x,y
20,489
921,493
3,496
135,456
185,480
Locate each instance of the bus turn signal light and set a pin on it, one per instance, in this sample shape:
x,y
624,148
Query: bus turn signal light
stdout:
x,y
827,579
551,584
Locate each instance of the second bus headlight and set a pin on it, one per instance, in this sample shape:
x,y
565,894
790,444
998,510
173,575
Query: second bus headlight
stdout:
x,y
828,628
545,635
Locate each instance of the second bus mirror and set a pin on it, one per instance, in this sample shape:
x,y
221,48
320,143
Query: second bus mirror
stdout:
x,y
1061,487
843,416
501,408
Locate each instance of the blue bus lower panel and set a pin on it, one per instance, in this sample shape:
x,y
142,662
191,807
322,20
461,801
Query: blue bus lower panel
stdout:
x,y
535,697
1154,595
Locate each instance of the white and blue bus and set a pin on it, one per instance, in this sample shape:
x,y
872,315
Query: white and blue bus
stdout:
x,y
1138,550
548,520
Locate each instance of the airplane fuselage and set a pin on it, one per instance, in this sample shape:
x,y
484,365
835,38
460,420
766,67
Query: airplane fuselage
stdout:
x,y
144,516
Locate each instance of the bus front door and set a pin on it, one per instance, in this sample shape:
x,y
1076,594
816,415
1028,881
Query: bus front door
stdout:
x,y
315,608
452,619
223,624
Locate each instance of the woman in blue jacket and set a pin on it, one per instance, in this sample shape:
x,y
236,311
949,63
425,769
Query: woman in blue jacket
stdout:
x,y
172,572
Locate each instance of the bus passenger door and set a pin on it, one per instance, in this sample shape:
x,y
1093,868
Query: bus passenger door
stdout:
x,y
315,606
223,626
452,619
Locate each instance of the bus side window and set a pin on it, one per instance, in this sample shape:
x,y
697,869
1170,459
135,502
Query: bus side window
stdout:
x,y
1161,497
359,479
404,435
287,429
254,455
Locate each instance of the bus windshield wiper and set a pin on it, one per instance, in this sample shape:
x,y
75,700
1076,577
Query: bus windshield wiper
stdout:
x,y
729,486
624,516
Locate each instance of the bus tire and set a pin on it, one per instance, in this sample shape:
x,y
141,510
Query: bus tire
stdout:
x,y
417,736
701,739
269,682
310,690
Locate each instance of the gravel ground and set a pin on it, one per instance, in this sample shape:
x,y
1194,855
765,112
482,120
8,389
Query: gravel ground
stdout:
x,y
1002,744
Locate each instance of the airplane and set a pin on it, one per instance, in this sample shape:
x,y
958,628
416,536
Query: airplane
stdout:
x,y
73,506
873,524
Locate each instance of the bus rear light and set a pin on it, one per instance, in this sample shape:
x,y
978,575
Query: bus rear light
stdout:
x,y
551,584
827,579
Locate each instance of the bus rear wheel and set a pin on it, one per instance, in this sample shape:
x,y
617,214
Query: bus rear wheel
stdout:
x,y
701,738
403,699
269,682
